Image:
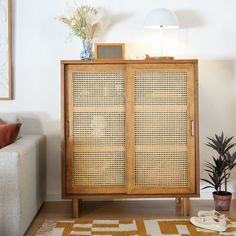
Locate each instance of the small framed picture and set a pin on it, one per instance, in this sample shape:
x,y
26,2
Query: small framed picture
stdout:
x,y
113,51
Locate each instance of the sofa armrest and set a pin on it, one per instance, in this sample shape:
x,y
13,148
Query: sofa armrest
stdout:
x,y
22,183
22,145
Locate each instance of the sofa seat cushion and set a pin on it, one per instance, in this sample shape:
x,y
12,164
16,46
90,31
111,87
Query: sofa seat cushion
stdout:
x,y
8,133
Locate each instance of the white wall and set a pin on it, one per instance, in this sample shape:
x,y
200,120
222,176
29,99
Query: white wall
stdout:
x,y
208,32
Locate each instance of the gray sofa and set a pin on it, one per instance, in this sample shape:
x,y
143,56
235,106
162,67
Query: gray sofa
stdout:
x,y
22,183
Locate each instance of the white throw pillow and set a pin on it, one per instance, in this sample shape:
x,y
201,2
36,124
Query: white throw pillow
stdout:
x,y
9,119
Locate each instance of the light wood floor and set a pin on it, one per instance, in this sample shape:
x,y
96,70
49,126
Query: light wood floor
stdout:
x,y
120,210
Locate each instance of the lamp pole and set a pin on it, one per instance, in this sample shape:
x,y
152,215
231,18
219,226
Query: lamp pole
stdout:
x,y
161,40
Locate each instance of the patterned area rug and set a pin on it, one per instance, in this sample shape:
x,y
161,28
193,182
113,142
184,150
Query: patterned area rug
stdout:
x,y
128,228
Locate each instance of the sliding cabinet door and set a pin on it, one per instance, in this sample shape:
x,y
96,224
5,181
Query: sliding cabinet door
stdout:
x,y
95,154
161,150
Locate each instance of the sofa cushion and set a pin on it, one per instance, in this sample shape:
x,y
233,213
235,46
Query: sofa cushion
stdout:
x,y
11,119
8,133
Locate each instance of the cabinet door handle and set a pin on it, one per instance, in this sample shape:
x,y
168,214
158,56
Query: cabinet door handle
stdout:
x,y
67,129
192,128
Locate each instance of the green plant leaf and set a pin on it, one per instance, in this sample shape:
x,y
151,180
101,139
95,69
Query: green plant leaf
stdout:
x,y
207,187
209,182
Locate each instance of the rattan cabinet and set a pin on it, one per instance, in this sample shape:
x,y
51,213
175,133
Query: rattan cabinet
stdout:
x,y
129,130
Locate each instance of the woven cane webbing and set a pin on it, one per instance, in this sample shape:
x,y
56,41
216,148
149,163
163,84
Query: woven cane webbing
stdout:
x,y
161,125
99,169
164,169
98,125
97,128
98,89
159,87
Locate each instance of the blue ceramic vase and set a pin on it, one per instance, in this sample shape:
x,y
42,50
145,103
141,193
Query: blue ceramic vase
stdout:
x,y
87,53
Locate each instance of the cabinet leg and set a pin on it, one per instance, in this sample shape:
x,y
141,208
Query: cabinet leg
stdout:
x,y
178,200
75,208
186,206
178,206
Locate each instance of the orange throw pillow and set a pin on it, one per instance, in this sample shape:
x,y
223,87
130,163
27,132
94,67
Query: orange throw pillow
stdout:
x,y
8,133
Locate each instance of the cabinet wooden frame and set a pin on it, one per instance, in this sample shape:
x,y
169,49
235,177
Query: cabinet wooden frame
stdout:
x,y
130,190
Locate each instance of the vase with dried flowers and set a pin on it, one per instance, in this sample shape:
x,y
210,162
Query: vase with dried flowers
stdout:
x,y
84,22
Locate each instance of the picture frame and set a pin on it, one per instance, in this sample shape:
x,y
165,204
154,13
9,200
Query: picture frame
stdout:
x,y
5,49
112,51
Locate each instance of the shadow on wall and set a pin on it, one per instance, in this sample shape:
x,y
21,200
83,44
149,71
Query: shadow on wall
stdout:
x,y
38,123
109,21
190,18
217,105
31,122
31,125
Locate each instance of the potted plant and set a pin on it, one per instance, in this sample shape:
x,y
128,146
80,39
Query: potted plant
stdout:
x,y
219,171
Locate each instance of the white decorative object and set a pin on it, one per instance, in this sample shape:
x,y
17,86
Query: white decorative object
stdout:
x,y
5,49
160,19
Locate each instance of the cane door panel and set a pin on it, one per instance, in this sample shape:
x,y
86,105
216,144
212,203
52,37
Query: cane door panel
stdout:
x,y
96,159
162,159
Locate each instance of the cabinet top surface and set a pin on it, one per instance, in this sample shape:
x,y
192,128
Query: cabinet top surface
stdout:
x,y
149,61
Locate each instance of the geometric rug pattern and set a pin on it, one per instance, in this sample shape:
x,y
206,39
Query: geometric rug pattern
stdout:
x,y
156,227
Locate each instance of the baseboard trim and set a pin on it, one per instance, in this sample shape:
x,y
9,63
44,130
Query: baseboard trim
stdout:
x,y
53,197
204,196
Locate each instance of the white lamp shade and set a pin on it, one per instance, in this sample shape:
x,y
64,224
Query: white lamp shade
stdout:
x,y
161,18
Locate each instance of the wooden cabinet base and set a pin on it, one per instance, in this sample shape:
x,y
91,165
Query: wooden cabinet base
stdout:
x,y
183,203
